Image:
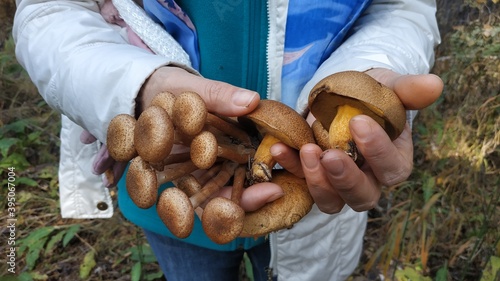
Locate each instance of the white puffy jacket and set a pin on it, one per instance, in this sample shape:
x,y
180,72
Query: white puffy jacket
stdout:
x,y
53,38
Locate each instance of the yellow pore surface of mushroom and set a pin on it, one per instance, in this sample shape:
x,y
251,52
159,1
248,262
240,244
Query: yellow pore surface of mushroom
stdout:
x,y
341,96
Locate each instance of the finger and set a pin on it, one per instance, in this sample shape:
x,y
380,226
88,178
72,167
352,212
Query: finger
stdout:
x,y
325,196
358,189
390,162
414,91
418,91
102,161
257,195
288,158
220,97
118,170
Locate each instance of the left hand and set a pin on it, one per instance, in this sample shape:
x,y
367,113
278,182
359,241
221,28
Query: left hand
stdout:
x,y
334,179
103,163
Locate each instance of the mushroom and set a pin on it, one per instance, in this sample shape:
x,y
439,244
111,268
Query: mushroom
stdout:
x,y
283,212
143,180
341,96
276,122
176,209
154,134
189,113
223,218
229,127
205,150
165,100
120,138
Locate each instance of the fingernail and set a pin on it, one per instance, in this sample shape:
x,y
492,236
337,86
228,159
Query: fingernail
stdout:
x,y
361,128
311,160
275,151
244,98
333,165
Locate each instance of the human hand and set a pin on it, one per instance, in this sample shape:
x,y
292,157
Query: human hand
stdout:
x,y
332,176
103,163
221,98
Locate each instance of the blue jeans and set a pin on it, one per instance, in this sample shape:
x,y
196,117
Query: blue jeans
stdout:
x,y
182,261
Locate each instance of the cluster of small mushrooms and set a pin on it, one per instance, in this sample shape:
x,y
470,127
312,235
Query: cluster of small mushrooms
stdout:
x,y
235,151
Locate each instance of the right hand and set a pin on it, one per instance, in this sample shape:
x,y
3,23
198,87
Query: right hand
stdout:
x,y
221,98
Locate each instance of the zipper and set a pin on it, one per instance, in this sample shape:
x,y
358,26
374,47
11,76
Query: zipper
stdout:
x,y
276,21
268,45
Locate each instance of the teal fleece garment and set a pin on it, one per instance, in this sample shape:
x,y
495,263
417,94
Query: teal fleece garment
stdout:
x,y
232,41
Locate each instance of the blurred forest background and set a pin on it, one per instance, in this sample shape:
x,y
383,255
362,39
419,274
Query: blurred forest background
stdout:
x,y
443,223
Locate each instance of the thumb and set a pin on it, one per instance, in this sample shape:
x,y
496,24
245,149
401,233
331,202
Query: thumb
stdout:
x,y
226,99
414,91
418,91
220,97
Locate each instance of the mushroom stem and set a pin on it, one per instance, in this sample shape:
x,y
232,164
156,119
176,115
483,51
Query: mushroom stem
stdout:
x,y
239,154
172,159
229,128
214,184
276,122
339,133
264,162
176,209
143,181
238,184
175,171
210,173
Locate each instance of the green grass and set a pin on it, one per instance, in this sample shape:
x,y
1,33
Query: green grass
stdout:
x,y
440,224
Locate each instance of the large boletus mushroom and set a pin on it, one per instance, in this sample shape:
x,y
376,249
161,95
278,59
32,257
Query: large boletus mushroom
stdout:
x,y
341,96
283,212
276,122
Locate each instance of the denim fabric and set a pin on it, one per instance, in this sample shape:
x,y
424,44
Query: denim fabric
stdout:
x,y
182,261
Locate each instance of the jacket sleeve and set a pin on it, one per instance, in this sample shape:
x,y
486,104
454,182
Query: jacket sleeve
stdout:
x,y
397,35
80,64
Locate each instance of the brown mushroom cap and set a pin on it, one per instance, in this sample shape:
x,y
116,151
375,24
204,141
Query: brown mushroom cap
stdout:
x,y
142,183
283,212
154,134
190,113
222,220
120,138
359,90
165,100
204,150
281,121
176,211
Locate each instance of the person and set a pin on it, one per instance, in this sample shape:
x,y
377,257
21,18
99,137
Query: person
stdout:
x,y
238,53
